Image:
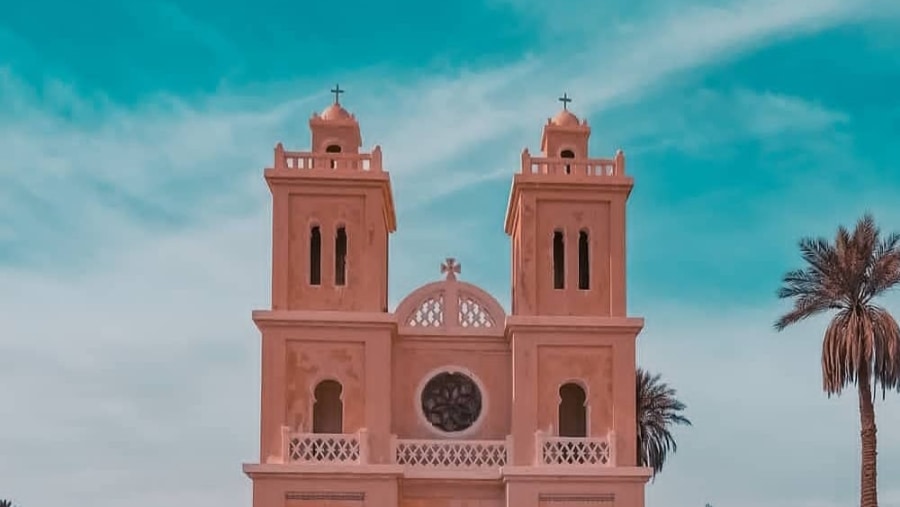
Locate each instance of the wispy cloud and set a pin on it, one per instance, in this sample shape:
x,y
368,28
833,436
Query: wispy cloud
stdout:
x,y
153,156
765,388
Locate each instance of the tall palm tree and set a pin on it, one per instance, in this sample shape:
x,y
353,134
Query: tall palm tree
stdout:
x,y
657,410
862,342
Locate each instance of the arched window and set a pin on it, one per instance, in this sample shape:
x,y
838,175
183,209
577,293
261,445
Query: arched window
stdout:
x,y
340,257
559,260
328,409
584,261
567,154
333,148
315,256
572,411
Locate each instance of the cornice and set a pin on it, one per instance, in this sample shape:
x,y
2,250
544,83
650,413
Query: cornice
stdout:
x,y
268,319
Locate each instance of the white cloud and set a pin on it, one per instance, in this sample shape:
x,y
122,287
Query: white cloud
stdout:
x,y
210,149
133,379
762,425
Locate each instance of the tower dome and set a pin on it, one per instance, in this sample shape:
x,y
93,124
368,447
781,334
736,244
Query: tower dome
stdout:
x,y
565,118
335,112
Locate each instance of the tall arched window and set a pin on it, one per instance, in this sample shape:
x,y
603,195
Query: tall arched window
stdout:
x,y
328,409
584,261
572,411
559,260
315,256
340,256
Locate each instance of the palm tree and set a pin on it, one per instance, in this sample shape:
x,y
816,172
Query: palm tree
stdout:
x,y
6,503
657,410
862,342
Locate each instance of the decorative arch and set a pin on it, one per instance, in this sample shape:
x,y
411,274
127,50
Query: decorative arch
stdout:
x,y
572,413
328,406
451,304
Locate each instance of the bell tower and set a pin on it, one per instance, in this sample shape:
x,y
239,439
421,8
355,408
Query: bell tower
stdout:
x,y
566,217
332,214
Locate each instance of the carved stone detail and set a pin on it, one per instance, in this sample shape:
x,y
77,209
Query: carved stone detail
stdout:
x,y
451,402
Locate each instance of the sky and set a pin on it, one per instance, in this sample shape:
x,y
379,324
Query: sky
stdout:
x,y
135,222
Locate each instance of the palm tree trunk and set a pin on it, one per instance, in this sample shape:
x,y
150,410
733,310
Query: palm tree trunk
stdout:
x,y
868,482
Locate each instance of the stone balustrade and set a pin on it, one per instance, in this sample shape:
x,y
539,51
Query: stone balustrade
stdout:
x,y
599,167
593,451
309,161
324,448
451,454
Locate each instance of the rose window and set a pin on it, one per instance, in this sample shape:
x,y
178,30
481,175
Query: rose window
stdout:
x,y
451,402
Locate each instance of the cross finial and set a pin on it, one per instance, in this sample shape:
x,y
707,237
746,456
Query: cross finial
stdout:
x,y
451,268
565,99
337,93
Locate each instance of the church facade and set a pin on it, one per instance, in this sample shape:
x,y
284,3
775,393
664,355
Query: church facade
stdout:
x,y
448,401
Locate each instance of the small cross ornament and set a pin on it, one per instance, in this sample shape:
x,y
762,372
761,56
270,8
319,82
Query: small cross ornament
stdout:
x,y
451,268
565,99
337,93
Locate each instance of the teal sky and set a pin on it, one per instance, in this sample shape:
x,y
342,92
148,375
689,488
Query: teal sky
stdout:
x,y
134,220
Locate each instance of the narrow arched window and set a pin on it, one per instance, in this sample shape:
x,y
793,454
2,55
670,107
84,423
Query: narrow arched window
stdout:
x,y
332,148
572,411
315,256
328,409
340,257
559,260
584,261
567,154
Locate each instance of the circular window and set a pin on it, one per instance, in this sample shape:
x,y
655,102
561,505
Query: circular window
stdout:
x,y
451,402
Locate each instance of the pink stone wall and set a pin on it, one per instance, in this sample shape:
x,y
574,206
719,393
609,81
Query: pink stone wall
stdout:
x,y
363,207
450,493
487,358
296,357
576,491
310,362
559,210
589,367
330,212
330,490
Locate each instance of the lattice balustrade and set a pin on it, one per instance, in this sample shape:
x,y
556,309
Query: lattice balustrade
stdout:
x,y
324,448
472,313
575,451
451,454
429,314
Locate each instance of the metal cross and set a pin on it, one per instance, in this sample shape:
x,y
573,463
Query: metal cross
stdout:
x,y
565,100
337,92
451,268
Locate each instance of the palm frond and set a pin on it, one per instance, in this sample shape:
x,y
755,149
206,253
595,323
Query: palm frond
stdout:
x,y
658,409
846,276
